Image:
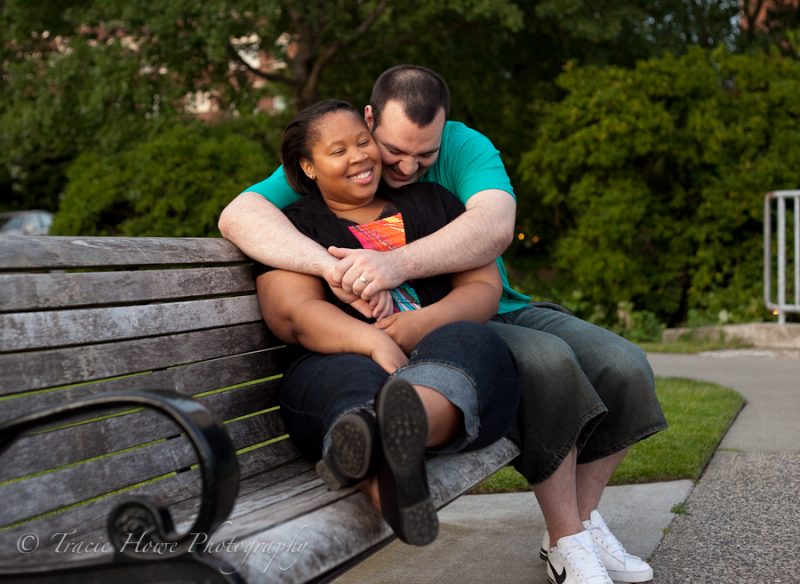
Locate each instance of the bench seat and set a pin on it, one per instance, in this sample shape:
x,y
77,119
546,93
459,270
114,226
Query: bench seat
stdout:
x,y
83,319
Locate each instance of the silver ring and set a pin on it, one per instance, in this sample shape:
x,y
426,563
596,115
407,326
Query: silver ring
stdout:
x,y
363,280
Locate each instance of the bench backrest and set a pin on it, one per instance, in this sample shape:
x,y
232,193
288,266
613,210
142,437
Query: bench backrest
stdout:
x,y
84,316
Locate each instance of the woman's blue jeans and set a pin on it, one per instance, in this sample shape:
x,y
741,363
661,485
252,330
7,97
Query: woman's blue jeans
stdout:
x,y
581,385
464,361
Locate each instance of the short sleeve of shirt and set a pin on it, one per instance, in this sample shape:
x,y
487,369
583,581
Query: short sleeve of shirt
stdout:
x,y
468,163
275,189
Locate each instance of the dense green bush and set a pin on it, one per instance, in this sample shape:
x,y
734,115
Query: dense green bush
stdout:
x,y
661,172
62,103
175,184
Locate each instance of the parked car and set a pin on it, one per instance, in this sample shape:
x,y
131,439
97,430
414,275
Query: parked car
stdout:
x,y
25,222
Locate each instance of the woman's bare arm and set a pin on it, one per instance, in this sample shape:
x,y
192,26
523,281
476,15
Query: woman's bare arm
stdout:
x,y
474,296
295,309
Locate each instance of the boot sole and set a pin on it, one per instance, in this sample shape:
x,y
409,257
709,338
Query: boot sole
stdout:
x,y
347,462
402,479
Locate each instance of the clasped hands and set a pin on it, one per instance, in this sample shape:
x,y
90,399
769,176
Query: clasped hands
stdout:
x,y
363,278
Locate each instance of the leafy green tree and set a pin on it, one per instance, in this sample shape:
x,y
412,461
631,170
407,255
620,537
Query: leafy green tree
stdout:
x,y
660,173
63,96
173,185
502,78
100,75
215,45
673,26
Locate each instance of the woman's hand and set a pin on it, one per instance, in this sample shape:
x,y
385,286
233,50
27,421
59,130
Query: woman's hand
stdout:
x,y
405,328
388,354
382,304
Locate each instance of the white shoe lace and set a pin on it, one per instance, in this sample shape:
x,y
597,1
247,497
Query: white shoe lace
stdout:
x,y
611,543
585,563
599,530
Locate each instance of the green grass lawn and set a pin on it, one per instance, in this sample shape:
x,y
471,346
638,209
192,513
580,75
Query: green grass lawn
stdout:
x,y
698,415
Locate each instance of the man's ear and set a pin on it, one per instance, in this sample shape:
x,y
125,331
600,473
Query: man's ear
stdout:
x,y
369,117
308,168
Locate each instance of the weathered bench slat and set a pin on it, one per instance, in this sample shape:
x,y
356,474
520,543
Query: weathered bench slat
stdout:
x,y
262,468
284,501
58,290
27,330
256,429
84,481
350,524
49,368
19,253
49,492
53,449
253,463
299,491
186,379
87,522
450,476
312,545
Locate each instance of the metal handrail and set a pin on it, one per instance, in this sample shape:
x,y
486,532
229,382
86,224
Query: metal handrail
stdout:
x,y
781,306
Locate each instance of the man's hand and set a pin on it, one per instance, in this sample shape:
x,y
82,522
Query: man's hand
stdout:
x,y
388,355
378,306
373,266
406,328
349,298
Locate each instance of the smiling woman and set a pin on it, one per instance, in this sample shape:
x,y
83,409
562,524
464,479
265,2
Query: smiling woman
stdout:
x,y
343,161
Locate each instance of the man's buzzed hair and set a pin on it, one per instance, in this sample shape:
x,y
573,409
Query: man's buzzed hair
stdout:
x,y
421,91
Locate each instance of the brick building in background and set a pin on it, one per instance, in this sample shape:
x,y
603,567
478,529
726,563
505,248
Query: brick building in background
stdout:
x,y
759,14
205,105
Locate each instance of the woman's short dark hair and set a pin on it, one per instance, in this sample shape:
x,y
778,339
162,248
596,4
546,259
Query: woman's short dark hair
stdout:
x,y
299,137
421,91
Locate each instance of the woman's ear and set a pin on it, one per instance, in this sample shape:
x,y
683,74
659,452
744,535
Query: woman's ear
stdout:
x,y
308,168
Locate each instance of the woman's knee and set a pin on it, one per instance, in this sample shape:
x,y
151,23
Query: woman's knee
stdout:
x,y
318,388
485,364
460,333
466,343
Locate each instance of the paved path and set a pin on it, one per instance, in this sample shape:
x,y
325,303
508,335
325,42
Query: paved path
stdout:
x,y
743,517
743,521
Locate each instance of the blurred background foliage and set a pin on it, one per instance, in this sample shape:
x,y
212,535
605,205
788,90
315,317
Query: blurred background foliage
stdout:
x,y
641,135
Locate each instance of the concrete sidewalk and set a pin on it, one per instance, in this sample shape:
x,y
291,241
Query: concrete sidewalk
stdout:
x,y
496,538
743,515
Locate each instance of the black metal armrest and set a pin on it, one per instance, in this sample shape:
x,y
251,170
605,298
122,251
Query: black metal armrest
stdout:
x,y
139,516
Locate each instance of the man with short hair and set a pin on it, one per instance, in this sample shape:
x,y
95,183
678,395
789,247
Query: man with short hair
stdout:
x,y
587,393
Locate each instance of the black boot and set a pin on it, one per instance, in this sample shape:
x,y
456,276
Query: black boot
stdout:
x,y
353,451
402,479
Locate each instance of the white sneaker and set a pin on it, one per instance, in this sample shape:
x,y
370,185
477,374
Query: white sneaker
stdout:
x,y
576,560
621,566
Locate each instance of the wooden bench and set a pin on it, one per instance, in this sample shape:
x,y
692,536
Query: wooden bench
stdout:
x,y
102,478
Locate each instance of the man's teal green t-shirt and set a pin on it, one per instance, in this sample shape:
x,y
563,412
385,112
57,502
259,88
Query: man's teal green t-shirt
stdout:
x,y
468,163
